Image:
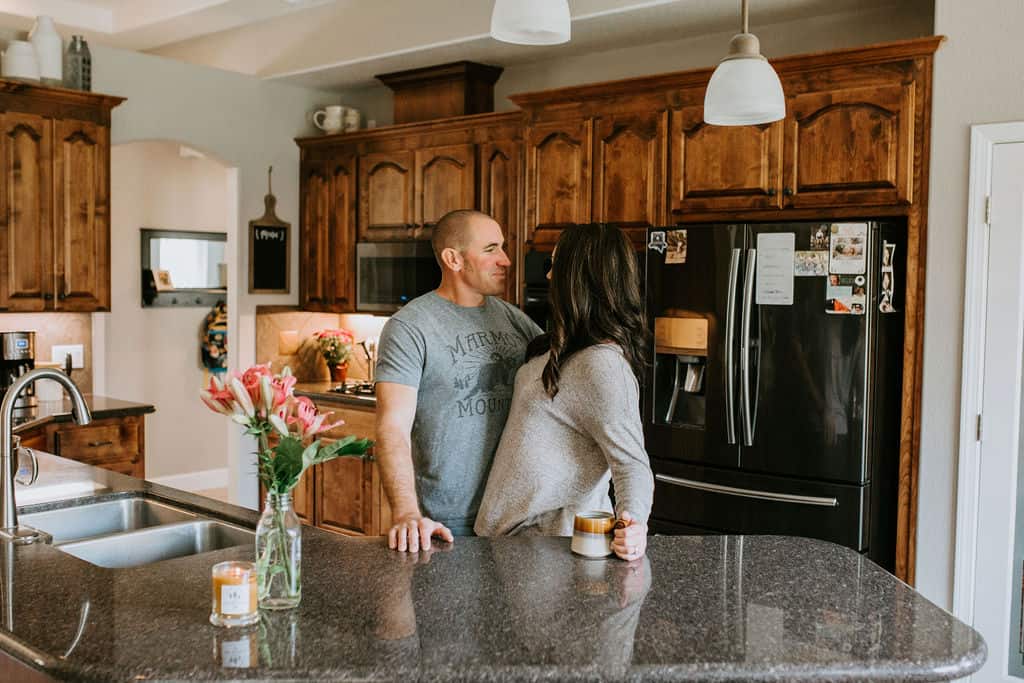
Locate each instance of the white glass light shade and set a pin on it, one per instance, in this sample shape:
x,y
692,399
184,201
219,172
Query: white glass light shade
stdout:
x,y
742,92
531,22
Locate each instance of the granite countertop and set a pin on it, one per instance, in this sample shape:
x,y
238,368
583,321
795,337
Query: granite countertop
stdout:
x,y
696,608
60,411
321,393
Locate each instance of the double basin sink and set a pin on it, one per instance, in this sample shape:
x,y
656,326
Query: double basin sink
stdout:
x,y
130,532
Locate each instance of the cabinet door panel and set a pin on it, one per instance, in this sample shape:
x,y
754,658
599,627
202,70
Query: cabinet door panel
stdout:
x,y
629,171
557,178
724,167
343,234
851,146
303,495
81,169
345,500
499,198
386,195
26,222
445,181
314,238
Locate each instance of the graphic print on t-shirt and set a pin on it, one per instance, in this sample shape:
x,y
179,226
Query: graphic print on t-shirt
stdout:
x,y
484,367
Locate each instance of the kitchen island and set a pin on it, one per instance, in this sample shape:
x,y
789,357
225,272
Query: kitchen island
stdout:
x,y
696,608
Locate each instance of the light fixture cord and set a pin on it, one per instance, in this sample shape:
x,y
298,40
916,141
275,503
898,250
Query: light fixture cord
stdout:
x,y
746,25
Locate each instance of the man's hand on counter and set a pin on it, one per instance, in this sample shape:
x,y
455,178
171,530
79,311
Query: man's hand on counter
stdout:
x,y
412,533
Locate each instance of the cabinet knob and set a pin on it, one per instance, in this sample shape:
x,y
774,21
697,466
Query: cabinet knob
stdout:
x,y
771,191
787,192
135,459
47,296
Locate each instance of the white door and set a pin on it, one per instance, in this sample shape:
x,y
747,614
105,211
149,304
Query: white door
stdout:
x,y
993,365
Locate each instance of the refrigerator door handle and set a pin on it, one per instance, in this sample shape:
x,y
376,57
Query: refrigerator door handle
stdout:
x,y
730,348
746,410
748,493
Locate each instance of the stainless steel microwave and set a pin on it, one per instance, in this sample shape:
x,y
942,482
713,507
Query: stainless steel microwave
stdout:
x,y
391,274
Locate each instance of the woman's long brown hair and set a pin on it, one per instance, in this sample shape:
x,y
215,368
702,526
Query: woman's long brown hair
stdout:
x,y
594,298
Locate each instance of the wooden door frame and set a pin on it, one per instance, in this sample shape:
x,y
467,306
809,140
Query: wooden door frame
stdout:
x,y
984,138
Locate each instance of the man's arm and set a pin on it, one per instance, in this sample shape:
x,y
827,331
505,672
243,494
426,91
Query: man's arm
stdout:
x,y
396,410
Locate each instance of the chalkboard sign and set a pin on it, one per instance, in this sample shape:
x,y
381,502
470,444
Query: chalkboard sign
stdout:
x,y
269,267
268,255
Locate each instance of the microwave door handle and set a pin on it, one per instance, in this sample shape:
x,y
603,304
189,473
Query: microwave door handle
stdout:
x,y
730,348
748,303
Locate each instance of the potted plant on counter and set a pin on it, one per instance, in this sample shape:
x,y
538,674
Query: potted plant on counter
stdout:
x,y
264,403
336,348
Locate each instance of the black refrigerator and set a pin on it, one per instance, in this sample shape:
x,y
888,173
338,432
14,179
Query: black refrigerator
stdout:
x,y
773,402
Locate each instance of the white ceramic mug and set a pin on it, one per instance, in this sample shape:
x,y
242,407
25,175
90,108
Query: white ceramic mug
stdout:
x,y
592,533
19,61
330,119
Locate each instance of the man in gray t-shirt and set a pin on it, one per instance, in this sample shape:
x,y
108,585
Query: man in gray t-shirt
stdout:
x,y
446,367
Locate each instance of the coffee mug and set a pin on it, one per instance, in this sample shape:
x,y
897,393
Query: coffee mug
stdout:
x,y
592,533
330,119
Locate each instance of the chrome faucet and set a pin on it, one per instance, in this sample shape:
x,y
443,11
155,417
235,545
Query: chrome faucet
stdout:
x,y
10,532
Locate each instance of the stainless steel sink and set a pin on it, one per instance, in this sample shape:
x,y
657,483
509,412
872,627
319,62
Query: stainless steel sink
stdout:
x,y
158,543
101,519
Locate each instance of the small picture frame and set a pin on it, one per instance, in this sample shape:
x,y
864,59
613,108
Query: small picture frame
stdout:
x,y
163,280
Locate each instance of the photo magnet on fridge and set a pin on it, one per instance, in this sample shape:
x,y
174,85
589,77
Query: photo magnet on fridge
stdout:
x,y
819,240
810,263
844,295
848,248
676,250
657,241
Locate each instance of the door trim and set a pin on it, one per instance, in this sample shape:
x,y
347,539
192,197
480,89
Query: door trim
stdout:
x,y
984,138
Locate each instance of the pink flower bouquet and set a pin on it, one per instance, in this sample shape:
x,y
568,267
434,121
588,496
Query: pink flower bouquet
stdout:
x,y
335,345
264,403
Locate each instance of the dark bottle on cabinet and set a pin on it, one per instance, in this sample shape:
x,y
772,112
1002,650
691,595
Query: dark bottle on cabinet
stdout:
x,y
78,65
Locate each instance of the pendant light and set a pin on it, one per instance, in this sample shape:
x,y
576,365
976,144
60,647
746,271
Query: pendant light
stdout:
x,y
531,22
744,89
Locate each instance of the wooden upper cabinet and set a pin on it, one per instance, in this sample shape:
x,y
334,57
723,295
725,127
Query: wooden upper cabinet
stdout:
x,y
724,167
82,207
851,146
342,240
445,181
558,158
26,238
386,209
314,237
499,198
629,171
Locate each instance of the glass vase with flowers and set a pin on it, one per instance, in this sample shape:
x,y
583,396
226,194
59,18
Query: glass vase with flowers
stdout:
x,y
336,348
264,403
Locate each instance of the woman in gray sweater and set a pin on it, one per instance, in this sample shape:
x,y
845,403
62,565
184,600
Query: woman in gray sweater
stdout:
x,y
575,416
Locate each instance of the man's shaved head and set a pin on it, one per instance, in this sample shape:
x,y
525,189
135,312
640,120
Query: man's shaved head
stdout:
x,y
453,230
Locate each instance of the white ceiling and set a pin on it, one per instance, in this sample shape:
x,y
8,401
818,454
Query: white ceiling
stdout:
x,y
338,44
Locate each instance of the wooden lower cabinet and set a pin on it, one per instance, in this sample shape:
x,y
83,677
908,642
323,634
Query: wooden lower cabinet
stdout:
x,y
114,443
344,495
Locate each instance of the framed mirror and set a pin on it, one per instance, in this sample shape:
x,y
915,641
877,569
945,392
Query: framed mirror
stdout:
x,y
183,267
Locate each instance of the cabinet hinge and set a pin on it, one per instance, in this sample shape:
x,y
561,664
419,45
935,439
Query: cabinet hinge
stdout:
x,y
978,431
988,210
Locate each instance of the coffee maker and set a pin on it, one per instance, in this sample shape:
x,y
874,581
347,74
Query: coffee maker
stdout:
x,y
18,356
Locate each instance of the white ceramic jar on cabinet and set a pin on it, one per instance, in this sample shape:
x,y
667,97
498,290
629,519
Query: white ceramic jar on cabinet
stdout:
x,y
49,50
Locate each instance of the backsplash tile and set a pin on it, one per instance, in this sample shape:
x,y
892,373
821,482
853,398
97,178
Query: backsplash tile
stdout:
x,y
306,363
56,328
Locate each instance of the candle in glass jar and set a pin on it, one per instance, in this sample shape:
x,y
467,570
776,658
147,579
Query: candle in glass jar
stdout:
x,y
234,594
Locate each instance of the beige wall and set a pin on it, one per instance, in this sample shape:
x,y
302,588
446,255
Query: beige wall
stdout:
x,y
247,124
153,353
908,19
978,79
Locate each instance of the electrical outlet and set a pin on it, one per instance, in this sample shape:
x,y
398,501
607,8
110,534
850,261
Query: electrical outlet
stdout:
x,y
77,351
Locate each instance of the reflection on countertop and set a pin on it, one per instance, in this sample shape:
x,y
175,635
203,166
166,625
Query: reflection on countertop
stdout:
x,y
521,608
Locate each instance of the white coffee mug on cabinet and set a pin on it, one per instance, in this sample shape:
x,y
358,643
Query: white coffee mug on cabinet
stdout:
x,y
330,119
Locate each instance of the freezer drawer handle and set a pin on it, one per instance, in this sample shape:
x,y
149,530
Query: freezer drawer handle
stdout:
x,y
748,493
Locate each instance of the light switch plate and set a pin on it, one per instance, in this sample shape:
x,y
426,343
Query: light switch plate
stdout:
x,y
77,351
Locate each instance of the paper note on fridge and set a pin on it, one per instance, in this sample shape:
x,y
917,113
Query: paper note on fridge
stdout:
x,y
848,249
774,284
